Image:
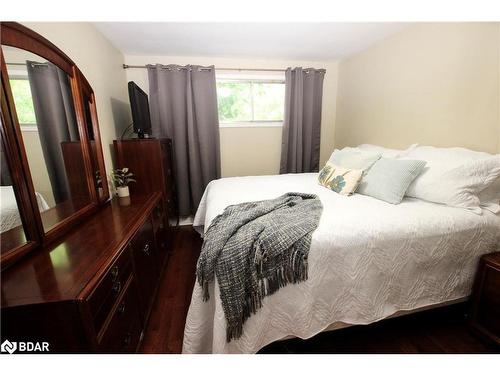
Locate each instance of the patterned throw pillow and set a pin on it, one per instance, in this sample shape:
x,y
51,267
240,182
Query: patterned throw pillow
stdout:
x,y
340,180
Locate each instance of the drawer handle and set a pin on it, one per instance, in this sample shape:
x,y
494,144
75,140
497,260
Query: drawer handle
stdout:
x,y
145,250
127,339
121,309
114,272
117,286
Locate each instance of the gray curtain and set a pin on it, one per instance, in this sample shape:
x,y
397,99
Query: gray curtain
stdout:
x,y
183,106
55,118
302,123
5,179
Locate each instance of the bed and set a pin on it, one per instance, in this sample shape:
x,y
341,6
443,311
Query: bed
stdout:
x,y
369,260
9,214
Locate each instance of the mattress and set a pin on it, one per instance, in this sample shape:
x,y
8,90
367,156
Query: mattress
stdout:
x,y
9,213
368,261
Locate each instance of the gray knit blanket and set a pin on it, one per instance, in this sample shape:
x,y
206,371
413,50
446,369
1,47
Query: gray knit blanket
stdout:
x,y
256,248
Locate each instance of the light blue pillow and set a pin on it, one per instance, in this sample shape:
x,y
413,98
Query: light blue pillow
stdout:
x,y
353,158
388,179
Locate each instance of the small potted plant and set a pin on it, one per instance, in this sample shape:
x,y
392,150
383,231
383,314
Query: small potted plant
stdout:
x,y
122,178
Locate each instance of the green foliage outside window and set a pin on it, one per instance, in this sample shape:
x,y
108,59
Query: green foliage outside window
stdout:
x,y
23,101
250,101
234,101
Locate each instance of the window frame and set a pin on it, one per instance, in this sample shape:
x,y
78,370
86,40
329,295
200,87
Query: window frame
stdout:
x,y
23,76
251,123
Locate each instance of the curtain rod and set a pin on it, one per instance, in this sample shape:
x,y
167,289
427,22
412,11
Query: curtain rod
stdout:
x,y
126,66
24,64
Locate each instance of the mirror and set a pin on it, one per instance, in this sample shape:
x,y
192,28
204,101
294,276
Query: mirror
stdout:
x,y
52,143
45,109
12,230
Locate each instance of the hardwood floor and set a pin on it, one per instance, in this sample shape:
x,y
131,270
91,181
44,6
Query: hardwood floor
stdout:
x,y
443,330
166,323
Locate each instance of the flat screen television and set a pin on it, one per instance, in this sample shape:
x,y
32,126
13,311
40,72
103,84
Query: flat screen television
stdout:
x,y
140,110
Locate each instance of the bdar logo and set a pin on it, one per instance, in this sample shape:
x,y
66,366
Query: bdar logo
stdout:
x,y
24,346
9,347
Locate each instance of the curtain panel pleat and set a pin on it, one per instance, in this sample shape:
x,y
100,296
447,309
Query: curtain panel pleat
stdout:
x,y
183,106
55,119
302,123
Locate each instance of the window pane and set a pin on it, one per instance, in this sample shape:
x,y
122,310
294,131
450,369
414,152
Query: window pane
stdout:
x,y
22,100
269,101
234,101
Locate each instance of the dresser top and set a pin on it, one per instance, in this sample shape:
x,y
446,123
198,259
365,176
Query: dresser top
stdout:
x,y
68,268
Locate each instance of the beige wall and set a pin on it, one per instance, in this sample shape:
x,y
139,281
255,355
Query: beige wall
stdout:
x,y
251,150
244,151
434,84
431,83
101,63
38,168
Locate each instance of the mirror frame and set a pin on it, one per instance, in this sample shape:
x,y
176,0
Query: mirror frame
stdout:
x,y
14,157
18,36
86,91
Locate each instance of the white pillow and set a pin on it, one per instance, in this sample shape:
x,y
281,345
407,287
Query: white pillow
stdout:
x,y
454,176
387,152
353,158
453,156
490,197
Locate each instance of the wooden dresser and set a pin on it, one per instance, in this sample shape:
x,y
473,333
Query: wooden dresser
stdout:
x,y
151,160
485,315
92,290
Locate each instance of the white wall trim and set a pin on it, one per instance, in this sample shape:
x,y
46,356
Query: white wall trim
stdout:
x,y
29,128
251,124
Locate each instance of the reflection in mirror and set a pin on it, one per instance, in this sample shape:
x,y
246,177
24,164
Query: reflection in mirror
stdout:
x,y
46,114
12,234
93,150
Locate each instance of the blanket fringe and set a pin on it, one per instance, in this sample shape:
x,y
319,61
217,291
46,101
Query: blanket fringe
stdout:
x,y
206,294
204,283
293,272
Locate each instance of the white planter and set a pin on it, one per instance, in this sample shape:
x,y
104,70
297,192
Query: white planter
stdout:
x,y
123,191
124,201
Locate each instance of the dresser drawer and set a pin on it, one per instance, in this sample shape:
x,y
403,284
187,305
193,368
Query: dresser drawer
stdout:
x,y
123,332
143,243
161,232
104,296
159,216
146,265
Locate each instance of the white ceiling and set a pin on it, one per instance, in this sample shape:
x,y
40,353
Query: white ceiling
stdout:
x,y
296,41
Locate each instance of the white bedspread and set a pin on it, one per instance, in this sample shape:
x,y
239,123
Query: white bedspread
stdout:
x,y
368,260
9,214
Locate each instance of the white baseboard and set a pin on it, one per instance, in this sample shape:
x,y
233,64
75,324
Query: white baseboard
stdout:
x,y
186,220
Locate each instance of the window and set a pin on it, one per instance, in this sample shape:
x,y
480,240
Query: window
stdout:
x,y
23,101
250,101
